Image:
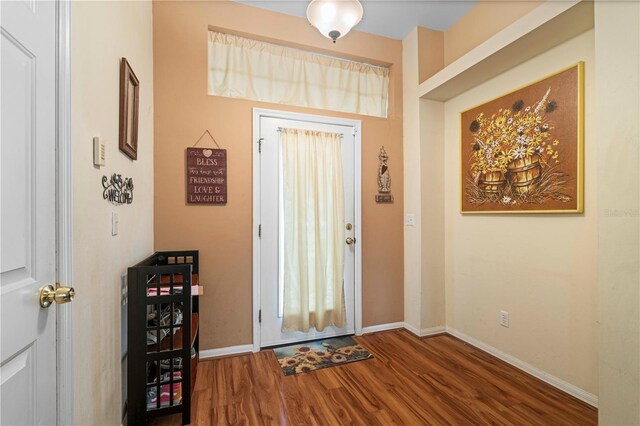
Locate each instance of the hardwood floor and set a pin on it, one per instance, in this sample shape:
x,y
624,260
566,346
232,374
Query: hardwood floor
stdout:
x,y
435,381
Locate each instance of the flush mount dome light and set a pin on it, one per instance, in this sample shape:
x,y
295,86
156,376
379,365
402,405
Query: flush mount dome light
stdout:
x,y
334,18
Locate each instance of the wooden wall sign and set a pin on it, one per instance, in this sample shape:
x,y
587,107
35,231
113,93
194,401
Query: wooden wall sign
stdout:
x,y
206,176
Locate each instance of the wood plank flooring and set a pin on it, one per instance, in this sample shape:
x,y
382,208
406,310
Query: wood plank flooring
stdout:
x,y
437,380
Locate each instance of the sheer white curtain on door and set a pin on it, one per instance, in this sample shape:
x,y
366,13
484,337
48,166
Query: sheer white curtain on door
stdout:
x,y
313,218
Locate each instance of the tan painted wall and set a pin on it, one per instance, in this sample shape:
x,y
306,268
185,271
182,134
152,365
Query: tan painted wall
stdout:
x,y
424,190
431,52
618,133
432,166
412,180
481,22
540,268
101,33
223,233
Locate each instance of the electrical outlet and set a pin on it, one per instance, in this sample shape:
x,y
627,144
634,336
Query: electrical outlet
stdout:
x,y
504,319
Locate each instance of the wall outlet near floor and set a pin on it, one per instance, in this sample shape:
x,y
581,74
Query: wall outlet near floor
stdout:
x,y
504,319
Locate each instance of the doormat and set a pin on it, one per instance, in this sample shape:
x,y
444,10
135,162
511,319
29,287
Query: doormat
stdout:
x,y
309,356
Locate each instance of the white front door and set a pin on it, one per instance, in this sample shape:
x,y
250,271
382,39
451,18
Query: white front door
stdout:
x,y
28,214
271,284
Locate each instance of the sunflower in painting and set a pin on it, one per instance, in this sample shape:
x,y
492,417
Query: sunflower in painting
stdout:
x,y
514,155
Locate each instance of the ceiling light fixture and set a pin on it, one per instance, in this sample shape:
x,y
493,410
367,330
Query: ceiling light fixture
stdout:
x,y
334,18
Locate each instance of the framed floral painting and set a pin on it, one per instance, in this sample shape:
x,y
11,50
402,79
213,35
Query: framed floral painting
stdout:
x,y
523,152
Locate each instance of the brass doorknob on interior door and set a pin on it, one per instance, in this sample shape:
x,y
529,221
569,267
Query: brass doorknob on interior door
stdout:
x,y
350,241
60,295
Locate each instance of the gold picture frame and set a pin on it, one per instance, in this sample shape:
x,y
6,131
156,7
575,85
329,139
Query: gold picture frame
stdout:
x,y
523,152
129,110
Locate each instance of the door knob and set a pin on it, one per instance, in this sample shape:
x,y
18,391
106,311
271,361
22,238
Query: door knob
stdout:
x,y
350,241
60,295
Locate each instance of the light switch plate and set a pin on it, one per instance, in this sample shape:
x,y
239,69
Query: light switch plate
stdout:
x,y
99,152
504,319
410,220
115,223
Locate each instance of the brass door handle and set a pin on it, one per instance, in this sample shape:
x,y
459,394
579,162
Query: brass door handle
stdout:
x,y
60,295
350,241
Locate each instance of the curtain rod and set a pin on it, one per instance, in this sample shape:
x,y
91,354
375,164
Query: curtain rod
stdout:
x,y
301,49
284,128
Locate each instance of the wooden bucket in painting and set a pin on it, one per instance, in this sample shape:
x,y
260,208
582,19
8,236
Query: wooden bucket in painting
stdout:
x,y
524,173
491,182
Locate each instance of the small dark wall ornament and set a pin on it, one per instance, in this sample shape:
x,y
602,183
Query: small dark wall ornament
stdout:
x,y
117,190
384,179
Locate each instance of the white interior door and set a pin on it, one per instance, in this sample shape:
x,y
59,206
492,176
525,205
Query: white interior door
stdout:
x,y
27,257
271,288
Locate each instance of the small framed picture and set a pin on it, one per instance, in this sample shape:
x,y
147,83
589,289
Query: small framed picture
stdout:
x,y
129,108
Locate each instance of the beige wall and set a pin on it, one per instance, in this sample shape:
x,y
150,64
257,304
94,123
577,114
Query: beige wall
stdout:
x,y
424,189
540,268
223,233
549,288
101,33
432,167
618,133
412,179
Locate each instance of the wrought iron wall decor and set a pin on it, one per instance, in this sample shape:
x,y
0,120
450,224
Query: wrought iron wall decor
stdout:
x,y
384,179
117,190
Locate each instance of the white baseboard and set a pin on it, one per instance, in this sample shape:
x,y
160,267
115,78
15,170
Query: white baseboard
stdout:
x,y
554,381
423,332
395,325
230,350
412,329
433,330
382,327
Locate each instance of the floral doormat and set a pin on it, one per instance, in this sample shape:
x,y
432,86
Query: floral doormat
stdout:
x,y
305,357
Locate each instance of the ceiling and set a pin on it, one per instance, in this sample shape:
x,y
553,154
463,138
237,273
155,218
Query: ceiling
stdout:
x,y
389,18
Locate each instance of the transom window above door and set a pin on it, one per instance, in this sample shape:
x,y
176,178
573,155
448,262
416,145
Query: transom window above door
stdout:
x,y
243,68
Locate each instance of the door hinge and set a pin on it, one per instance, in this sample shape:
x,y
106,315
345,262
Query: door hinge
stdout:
x,y
260,315
259,231
260,145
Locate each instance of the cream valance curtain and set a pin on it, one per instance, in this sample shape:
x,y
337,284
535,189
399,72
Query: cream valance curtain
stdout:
x,y
249,69
313,198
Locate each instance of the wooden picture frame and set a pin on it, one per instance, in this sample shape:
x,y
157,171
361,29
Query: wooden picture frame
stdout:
x,y
524,151
129,110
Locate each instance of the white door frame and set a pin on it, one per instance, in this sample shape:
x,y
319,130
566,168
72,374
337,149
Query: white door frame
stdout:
x,y
64,215
258,113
